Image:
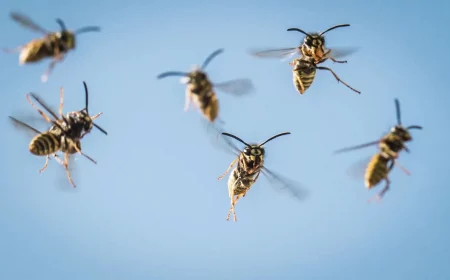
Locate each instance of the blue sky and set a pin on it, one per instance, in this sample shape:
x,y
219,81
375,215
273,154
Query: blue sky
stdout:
x,y
152,207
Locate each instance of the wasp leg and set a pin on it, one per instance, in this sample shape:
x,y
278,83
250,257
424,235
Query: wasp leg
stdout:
x,y
47,73
187,102
66,167
61,101
337,61
233,204
39,110
380,195
45,165
228,170
337,78
83,154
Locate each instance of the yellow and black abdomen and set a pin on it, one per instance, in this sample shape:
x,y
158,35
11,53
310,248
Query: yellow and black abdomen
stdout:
x,y
36,50
304,75
376,170
45,144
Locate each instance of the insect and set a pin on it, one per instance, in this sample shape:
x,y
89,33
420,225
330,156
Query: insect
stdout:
x,y
304,72
313,46
389,147
202,91
64,135
53,45
250,163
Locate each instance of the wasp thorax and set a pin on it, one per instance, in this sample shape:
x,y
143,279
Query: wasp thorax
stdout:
x,y
401,132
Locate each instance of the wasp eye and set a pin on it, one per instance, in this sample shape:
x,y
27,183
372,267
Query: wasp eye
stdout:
x,y
247,151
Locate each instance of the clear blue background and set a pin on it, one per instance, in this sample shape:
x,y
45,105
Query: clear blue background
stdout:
x,y
153,209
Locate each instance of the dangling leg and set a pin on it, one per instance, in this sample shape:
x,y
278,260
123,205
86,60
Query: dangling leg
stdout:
x,y
187,102
66,166
96,116
231,208
45,165
61,101
47,73
228,170
402,168
81,153
337,78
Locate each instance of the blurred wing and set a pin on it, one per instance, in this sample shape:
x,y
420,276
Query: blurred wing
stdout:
x,y
31,131
357,170
274,53
284,184
342,52
219,141
50,110
365,145
27,22
236,87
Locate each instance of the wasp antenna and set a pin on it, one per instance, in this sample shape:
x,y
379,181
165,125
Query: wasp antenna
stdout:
x,y
61,24
273,137
299,30
211,57
99,128
171,73
334,27
235,137
414,127
87,29
397,110
86,96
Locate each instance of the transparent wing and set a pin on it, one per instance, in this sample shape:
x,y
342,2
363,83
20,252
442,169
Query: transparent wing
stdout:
x,y
284,184
219,141
48,108
357,169
274,53
352,148
236,87
342,52
27,22
28,129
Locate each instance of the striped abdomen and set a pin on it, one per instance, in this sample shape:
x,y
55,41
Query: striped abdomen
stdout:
x,y
376,170
304,74
37,50
46,143
239,183
205,98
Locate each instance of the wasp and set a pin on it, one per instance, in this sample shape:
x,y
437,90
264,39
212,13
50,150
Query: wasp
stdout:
x,y
389,147
304,72
53,45
313,46
250,163
201,90
64,135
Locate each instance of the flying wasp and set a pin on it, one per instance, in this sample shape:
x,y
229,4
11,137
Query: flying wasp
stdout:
x,y
304,72
64,135
313,46
250,163
201,90
389,147
53,45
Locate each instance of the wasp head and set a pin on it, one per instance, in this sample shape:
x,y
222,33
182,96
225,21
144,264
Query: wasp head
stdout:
x,y
401,132
254,155
314,40
67,39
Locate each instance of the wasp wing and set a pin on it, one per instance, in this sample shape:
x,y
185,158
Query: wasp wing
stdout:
x,y
274,53
219,141
365,145
284,184
236,87
342,52
44,105
27,22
